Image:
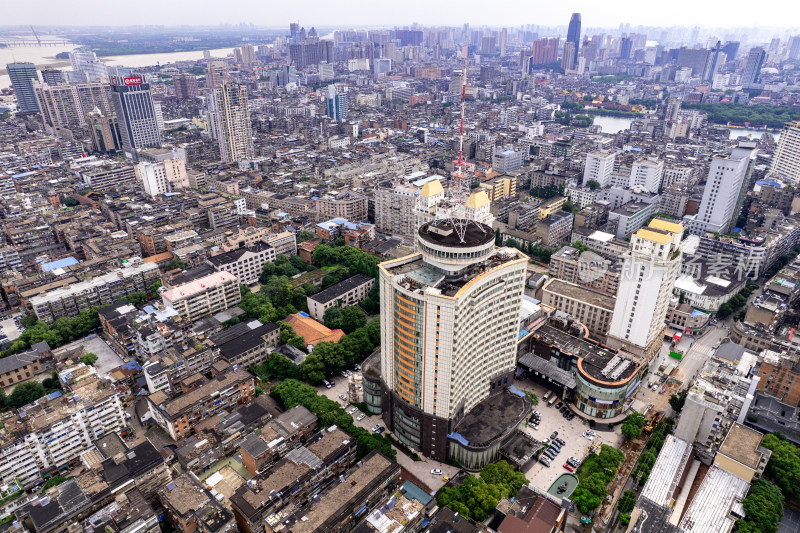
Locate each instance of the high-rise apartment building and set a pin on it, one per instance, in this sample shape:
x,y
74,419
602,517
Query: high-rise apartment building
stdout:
x,y
544,51
786,163
53,76
104,131
230,122
448,331
22,76
574,34
649,271
503,41
568,59
216,73
185,86
793,47
715,61
599,166
647,173
726,186
751,74
86,63
136,115
336,104
67,105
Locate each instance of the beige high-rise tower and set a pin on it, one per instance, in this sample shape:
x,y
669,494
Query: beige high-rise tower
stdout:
x,y
230,122
449,327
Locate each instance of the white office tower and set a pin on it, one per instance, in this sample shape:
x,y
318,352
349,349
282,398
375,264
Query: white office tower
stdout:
x,y
649,271
163,176
726,186
449,327
599,166
648,174
88,65
230,119
786,163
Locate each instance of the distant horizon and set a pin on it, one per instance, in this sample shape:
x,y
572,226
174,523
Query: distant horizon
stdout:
x,y
364,14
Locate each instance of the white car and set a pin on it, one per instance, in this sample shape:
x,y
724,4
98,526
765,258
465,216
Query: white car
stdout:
x,y
353,410
436,472
342,397
361,417
589,437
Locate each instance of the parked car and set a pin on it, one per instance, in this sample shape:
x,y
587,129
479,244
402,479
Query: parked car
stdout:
x,y
570,416
436,472
544,461
342,397
553,435
559,405
569,467
353,410
361,417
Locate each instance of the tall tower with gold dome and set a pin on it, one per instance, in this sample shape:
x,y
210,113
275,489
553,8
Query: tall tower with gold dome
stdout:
x,y
449,320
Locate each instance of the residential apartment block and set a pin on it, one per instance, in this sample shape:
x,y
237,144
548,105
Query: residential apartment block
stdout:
x,y
204,296
245,263
345,293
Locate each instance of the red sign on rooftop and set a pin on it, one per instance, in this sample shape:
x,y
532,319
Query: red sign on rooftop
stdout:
x,y
136,80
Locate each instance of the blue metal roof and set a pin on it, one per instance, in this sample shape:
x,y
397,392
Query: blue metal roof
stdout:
x,y
61,263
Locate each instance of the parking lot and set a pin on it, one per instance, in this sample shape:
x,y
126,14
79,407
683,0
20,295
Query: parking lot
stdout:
x,y
568,430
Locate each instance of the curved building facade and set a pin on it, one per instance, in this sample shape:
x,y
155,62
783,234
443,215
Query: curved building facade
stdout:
x,y
448,330
603,385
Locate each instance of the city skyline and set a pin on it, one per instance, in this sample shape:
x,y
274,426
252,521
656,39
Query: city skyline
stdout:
x,y
360,13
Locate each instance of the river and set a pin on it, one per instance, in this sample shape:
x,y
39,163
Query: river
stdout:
x,y
46,56
617,124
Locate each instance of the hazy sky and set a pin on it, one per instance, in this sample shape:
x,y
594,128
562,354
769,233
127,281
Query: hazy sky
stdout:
x,y
608,13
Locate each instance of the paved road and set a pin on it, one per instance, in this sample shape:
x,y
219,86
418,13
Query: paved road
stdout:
x,y
698,354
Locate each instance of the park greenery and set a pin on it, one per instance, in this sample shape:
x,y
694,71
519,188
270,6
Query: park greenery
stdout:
x,y
757,115
291,392
594,475
69,201
476,497
28,391
763,508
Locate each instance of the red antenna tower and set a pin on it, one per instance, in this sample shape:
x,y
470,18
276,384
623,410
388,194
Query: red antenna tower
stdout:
x,y
460,172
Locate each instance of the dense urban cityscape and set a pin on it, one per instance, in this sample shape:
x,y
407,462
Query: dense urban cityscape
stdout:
x,y
399,278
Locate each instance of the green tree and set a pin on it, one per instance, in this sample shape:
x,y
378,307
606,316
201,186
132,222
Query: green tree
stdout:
x,y
281,367
333,318
177,262
784,464
69,201
25,393
593,185
676,401
89,358
137,298
632,426
374,331
267,271
626,502
312,369
352,318
304,236
28,321
763,507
